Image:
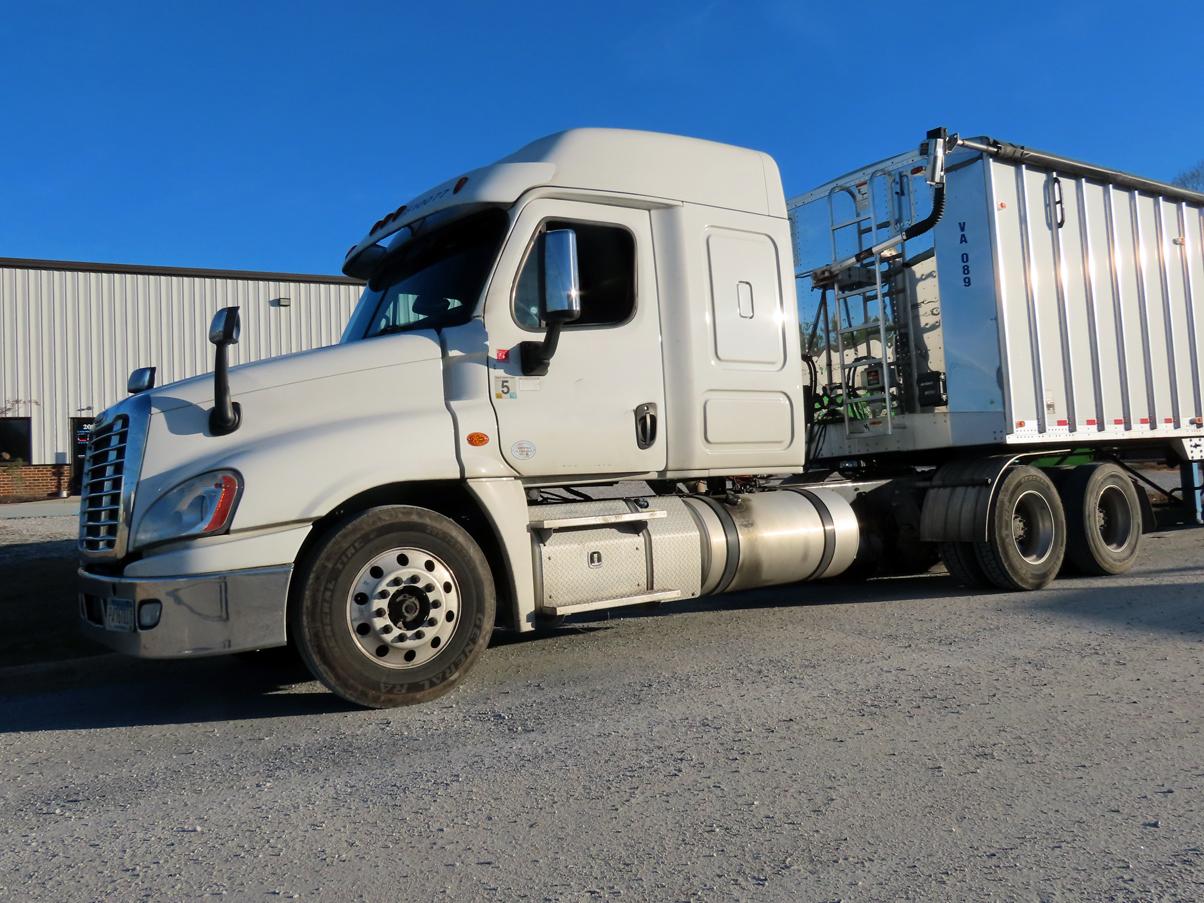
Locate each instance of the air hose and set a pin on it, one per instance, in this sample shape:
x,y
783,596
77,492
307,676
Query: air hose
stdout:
x,y
934,217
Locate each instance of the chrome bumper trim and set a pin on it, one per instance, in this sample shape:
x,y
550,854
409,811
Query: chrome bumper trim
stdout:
x,y
203,614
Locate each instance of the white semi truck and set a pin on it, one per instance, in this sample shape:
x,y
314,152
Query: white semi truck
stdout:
x,y
986,332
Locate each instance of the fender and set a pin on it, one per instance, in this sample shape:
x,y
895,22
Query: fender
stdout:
x,y
958,501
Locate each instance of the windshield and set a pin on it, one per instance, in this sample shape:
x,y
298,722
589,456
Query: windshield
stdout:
x,y
432,280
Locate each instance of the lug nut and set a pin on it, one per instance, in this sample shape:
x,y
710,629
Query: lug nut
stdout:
x,y
380,612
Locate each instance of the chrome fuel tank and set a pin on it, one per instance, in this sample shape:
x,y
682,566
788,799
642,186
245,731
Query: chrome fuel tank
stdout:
x,y
786,536
601,554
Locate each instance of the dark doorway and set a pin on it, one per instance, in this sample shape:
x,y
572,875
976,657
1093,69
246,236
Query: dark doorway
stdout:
x,y
81,428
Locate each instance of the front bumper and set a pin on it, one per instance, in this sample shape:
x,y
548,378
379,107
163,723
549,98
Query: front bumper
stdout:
x,y
202,614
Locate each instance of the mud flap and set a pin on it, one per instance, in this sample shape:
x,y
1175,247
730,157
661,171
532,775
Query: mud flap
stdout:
x,y
959,499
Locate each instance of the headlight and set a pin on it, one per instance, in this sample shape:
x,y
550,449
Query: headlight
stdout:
x,y
201,506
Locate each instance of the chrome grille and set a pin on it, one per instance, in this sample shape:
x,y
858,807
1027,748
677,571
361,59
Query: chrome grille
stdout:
x,y
112,465
102,490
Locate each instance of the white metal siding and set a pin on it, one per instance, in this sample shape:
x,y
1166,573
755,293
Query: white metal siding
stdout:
x,y
69,338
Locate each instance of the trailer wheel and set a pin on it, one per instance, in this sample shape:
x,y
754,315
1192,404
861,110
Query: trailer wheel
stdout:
x,y
395,605
1026,532
963,566
1103,515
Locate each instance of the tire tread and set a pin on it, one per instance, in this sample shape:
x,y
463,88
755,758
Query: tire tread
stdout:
x,y
963,566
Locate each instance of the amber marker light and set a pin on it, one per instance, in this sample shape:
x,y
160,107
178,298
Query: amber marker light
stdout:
x,y
477,439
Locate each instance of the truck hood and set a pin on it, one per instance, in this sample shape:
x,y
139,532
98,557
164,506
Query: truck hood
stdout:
x,y
319,364
316,428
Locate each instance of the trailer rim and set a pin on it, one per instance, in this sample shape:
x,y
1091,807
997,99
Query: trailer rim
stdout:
x,y
1113,518
1033,527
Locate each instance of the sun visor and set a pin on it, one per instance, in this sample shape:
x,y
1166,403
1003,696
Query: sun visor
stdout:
x,y
501,183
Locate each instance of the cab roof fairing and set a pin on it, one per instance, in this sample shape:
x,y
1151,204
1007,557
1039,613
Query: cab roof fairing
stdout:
x,y
619,161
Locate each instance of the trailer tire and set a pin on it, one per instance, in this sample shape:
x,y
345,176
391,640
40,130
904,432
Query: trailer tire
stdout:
x,y
395,604
1026,531
963,566
1104,519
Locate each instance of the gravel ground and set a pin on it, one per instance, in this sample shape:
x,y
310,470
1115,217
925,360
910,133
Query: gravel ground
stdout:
x,y
891,740
37,585
36,537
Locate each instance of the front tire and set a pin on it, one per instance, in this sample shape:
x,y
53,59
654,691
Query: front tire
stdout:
x,y
1026,532
395,605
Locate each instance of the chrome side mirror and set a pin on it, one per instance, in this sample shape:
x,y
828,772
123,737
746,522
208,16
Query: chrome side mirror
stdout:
x,y
561,283
141,380
560,302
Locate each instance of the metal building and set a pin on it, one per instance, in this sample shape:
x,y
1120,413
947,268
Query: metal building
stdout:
x,y
70,333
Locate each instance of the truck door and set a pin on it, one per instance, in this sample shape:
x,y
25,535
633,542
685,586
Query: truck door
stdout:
x,y
599,409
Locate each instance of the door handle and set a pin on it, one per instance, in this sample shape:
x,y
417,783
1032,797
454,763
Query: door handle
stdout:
x,y
645,425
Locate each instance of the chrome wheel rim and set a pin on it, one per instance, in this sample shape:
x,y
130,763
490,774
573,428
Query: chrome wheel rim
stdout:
x,y
1033,527
1113,518
403,608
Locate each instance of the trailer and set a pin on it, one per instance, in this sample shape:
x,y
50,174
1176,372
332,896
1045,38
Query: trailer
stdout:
x,y
986,333
975,304
1041,302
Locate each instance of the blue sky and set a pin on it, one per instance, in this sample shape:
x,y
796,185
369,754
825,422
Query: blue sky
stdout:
x,y
271,135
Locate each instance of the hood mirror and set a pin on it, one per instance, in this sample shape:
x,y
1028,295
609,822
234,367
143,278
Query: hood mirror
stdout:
x,y
224,328
141,380
223,332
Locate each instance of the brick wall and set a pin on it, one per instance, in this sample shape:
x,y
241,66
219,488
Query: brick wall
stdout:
x,y
33,481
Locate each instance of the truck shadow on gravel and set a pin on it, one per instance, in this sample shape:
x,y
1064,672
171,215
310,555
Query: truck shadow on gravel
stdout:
x,y
112,691
1131,601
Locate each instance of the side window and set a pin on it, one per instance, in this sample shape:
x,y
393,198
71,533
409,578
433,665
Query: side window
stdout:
x,y
15,446
605,268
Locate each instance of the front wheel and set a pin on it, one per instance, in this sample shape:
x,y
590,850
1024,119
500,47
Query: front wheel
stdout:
x,y
395,605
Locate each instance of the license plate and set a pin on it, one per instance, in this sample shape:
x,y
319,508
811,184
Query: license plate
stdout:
x,y
119,614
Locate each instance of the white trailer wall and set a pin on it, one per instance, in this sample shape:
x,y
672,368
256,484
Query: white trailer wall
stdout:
x,y
71,333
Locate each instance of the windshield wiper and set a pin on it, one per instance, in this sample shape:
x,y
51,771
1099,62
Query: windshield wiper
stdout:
x,y
392,328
